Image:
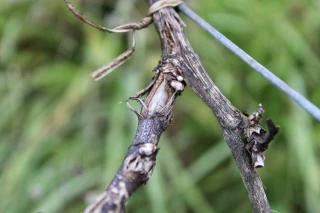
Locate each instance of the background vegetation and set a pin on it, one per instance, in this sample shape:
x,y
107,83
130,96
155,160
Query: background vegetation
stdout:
x,y
63,136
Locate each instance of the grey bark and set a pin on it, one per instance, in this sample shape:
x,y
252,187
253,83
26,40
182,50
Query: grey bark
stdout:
x,y
178,66
140,160
236,126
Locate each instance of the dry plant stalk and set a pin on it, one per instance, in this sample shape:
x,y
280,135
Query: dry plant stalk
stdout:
x,y
235,125
139,163
178,66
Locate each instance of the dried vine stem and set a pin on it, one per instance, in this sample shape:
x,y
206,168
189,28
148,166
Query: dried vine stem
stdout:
x,y
140,161
109,67
234,124
143,23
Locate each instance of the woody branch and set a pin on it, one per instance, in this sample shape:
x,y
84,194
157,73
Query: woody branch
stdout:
x,y
237,127
140,160
179,63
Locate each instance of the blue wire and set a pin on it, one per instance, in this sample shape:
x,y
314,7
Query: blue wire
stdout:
x,y
294,95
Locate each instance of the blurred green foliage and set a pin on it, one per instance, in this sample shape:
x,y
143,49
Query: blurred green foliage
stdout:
x,y
63,136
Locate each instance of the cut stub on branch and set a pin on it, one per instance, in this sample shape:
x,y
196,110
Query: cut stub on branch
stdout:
x,y
257,137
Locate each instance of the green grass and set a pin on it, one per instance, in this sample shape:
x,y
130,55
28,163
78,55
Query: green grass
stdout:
x,y
63,136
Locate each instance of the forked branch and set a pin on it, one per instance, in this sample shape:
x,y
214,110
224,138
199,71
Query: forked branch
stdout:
x,y
234,123
180,65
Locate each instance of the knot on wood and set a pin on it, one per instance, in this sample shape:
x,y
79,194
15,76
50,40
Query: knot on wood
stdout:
x,y
257,137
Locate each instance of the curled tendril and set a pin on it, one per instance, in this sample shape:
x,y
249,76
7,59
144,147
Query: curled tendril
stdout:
x,y
146,21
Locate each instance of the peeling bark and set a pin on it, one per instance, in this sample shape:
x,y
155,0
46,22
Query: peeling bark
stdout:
x,y
181,66
139,163
234,123
257,137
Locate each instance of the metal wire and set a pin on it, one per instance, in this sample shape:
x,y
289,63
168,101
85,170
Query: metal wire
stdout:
x,y
294,95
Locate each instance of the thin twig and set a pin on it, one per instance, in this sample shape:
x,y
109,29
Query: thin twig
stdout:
x,y
267,74
145,22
